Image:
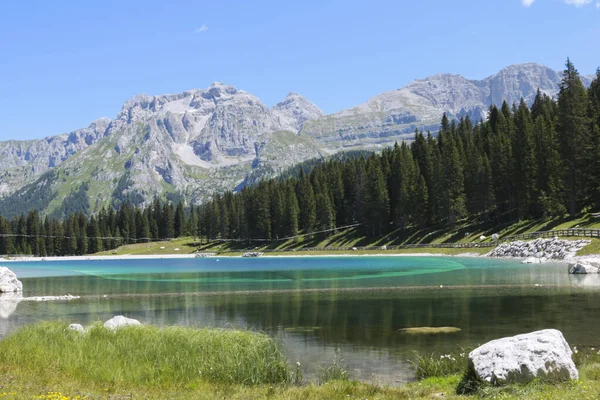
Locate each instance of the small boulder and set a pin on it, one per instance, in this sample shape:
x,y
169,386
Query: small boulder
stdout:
x,y
581,267
119,322
76,327
543,355
531,260
9,282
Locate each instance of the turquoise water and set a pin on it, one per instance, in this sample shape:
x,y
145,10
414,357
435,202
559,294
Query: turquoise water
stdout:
x,y
316,305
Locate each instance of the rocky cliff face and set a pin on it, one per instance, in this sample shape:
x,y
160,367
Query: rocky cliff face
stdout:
x,y
294,111
193,144
20,161
395,115
188,145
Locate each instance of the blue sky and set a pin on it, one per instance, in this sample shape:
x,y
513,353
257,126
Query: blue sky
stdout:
x,y
66,63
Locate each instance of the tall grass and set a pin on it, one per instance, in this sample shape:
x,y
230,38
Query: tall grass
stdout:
x,y
145,355
336,371
439,365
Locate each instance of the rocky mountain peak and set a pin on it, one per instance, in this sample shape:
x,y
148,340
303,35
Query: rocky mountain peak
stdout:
x,y
295,110
519,80
218,89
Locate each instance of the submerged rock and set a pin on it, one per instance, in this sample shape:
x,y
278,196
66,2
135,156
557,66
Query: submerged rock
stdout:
x,y
430,330
119,322
9,282
582,267
531,260
544,355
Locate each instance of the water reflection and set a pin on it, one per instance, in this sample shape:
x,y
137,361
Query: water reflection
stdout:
x,y
8,303
313,311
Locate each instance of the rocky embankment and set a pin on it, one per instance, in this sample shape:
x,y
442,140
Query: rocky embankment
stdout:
x,y
539,250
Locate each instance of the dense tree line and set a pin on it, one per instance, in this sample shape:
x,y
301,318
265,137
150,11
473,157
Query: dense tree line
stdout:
x,y
521,162
79,234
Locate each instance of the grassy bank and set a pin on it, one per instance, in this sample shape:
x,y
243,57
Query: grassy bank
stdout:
x,y
325,244
47,361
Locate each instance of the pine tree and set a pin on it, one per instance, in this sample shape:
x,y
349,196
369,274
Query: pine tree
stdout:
x,y
375,195
574,137
307,205
168,220
192,228
550,170
82,239
454,201
49,239
291,211
179,221
594,116
95,243
525,163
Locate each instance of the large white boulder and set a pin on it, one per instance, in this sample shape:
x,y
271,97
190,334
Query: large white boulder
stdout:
x,y
119,322
9,282
582,267
544,355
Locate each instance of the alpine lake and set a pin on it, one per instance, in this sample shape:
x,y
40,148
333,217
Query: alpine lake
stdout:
x,y
351,309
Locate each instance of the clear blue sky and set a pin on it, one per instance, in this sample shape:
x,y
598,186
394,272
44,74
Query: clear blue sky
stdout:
x,y
66,63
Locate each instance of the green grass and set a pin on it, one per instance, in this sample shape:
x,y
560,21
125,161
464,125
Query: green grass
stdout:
x,y
145,356
592,248
186,245
47,361
439,365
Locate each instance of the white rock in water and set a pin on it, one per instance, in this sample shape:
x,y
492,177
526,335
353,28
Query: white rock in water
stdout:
x,y
531,260
581,267
76,327
537,355
119,322
9,282
8,303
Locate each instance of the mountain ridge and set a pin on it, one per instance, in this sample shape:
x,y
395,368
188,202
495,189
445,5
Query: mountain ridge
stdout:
x,y
202,141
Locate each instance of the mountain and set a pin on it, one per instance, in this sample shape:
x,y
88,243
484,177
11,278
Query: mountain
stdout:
x,y
188,145
22,159
395,115
203,141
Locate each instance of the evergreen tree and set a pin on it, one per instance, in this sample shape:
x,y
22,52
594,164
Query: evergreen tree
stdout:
x,y
576,146
291,211
168,219
179,221
93,233
307,205
376,199
525,163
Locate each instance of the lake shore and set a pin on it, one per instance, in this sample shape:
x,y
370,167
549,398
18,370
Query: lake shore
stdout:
x,y
232,255
298,254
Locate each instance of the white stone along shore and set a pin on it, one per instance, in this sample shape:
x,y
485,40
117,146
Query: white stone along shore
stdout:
x,y
540,250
